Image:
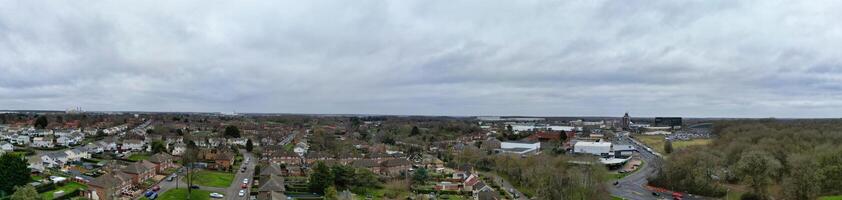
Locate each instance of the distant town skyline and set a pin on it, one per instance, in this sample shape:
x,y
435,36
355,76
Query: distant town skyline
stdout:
x,y
469,58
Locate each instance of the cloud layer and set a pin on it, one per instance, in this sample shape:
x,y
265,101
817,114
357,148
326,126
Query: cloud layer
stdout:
x,y
688,58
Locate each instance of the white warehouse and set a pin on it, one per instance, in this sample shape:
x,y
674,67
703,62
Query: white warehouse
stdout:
x,y
595,148
519,147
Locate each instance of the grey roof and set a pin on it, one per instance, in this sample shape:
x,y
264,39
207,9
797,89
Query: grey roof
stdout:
x,y
274,184
271,170
56,154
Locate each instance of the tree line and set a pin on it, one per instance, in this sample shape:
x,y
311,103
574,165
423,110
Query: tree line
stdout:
x,y
780,159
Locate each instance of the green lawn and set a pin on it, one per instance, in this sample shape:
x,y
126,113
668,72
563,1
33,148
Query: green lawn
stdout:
x,y
138,157
656,142
181,193
67,188
213,178
837,197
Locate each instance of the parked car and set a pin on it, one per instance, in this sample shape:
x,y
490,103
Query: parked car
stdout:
x,y
245,180
156,188
217,195
244,186
194,187
149,193
242,193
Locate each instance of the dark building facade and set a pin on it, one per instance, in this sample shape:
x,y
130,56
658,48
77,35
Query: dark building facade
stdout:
x,y
668,122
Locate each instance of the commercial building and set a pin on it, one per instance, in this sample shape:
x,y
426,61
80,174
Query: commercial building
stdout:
x,y
595,148
518,147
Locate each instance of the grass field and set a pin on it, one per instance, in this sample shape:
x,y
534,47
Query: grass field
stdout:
x,y
213,178
67,188
656,142
837,197
138,157
181,193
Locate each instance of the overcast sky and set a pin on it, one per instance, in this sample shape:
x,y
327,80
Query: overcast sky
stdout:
x,y
705,58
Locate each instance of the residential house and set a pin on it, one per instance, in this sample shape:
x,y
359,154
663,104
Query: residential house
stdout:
x,y
162,162
224,160
395,167
42,142
77,154
35,163
140,171
272,189
484,192
22,140
237,141
178,149
109,186
132,145
108,144
55,159
6,146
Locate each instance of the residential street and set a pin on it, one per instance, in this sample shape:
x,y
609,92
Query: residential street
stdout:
x,y
232,191
509,189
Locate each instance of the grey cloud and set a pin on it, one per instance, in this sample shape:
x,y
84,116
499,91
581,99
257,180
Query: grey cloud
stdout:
x,y
691,58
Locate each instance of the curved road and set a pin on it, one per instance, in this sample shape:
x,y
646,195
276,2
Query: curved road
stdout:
x,y
634,186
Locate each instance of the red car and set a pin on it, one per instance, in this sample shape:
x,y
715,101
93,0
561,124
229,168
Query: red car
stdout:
x,y
244,185
156,188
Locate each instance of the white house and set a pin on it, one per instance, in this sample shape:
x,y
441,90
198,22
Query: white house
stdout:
x,y
237,141
22,140
595,148
77,154
93,148
107,144
42,142
178,149
54,159
5,146
133,145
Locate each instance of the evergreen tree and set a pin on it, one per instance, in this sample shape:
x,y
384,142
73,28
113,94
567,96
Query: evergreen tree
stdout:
x,y
232,132
321,178
249,145
41,122
13,172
